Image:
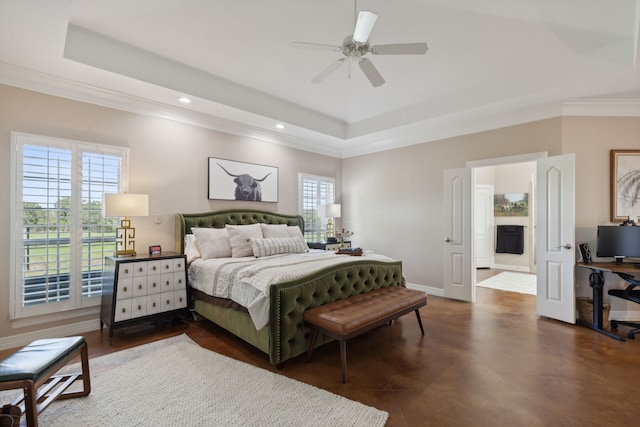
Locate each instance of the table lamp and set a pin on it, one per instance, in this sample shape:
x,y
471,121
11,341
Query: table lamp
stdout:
x,y
330,211
125,205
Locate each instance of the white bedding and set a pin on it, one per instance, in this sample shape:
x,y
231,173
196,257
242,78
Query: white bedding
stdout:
x,y
246,280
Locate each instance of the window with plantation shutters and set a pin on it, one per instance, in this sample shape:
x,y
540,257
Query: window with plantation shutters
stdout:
x,y
314,191
59,235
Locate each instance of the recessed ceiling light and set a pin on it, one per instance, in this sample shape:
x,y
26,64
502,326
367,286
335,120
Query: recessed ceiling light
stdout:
x,y
279,126
184,100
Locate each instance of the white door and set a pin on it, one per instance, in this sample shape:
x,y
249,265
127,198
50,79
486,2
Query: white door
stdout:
x,y
483,226
458,241
555,236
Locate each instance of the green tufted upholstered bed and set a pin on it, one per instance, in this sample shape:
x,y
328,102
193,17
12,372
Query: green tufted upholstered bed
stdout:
x,y
286,336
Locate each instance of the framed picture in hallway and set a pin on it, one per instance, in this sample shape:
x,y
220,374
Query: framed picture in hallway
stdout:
x,y
232,180
625,185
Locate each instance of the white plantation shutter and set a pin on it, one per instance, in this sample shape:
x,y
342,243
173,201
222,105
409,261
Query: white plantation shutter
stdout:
x,y
59,235
313,191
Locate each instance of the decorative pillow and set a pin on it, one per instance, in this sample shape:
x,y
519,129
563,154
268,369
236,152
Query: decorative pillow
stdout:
x,y
278,245
191,248
212,242
239,236
274,230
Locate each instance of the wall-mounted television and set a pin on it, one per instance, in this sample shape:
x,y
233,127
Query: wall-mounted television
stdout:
x,y
618,242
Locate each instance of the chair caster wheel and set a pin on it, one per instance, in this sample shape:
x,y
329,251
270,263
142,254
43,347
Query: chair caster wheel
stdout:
x,y
631,336
614,324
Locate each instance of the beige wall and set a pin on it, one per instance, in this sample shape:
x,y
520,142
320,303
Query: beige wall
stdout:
x,y
393,200
168,160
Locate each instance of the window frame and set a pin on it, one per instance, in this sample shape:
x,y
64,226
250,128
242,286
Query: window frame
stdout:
x,y
320,223
77,148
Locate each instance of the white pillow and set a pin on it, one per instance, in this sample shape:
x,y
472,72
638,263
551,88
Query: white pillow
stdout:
x,y
191,248
278,245
274,230
239,236
212,242
294,231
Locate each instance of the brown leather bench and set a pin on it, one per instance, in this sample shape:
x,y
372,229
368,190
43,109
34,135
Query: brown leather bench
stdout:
x,y
32,369
350,317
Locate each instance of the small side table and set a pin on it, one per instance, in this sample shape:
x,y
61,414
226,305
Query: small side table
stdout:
x,y
328,246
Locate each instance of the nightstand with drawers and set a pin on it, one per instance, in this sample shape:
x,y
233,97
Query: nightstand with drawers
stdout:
x,y
328,246
138,289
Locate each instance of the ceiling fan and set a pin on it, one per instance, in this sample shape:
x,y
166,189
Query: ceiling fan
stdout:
x,y
356,46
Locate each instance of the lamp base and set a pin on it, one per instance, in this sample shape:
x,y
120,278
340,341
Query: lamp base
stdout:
x,y
125,253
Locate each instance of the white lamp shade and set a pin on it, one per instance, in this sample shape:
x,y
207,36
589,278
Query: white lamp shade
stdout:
x,y
125,204
331,210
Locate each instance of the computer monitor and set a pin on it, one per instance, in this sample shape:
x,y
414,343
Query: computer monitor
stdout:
x,y
618,242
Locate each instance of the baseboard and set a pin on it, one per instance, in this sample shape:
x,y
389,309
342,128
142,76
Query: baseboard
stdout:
x,y
518,268
20,340
625,316
430,290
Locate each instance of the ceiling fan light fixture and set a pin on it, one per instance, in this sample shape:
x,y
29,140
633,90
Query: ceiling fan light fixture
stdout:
x,y
364,25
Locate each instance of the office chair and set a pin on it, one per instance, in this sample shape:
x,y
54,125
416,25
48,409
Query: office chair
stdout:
x,y
630,295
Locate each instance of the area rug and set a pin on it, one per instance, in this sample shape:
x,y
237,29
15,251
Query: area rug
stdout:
x,y
523,283
181,383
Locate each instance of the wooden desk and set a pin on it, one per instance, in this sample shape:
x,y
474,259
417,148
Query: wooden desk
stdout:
x,y
596,281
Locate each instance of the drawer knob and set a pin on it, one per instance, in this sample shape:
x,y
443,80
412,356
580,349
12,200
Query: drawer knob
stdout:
x,y
154,268
140,269
154,304
139,307
139,286
126,271
125,289
124,310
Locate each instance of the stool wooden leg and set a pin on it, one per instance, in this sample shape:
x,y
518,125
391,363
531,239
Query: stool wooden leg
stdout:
x,y
31,405
86,377
343,359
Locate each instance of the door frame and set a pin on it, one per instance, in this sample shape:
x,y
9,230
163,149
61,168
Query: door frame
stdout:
x,y
497,161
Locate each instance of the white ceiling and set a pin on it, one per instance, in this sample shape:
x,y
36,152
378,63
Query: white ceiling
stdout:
x,y
490,63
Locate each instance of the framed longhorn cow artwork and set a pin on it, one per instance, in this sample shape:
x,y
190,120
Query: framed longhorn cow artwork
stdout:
x,y
232,180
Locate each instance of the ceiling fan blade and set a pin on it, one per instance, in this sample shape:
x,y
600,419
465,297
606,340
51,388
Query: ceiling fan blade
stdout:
x,y
315,46
364,25
330,69
371,72
400,49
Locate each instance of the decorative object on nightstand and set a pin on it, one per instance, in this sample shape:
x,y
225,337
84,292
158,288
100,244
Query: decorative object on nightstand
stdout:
x,y
142,288
327,246
342,235
125,205
330,211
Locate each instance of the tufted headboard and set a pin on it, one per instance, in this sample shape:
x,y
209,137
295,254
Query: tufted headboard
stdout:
x,y
219,219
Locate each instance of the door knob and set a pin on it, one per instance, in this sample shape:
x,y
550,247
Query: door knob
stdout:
x,y
567,246
447,240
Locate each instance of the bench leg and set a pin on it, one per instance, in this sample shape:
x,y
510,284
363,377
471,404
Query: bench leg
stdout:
x,y
343,360
314,335
419,321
